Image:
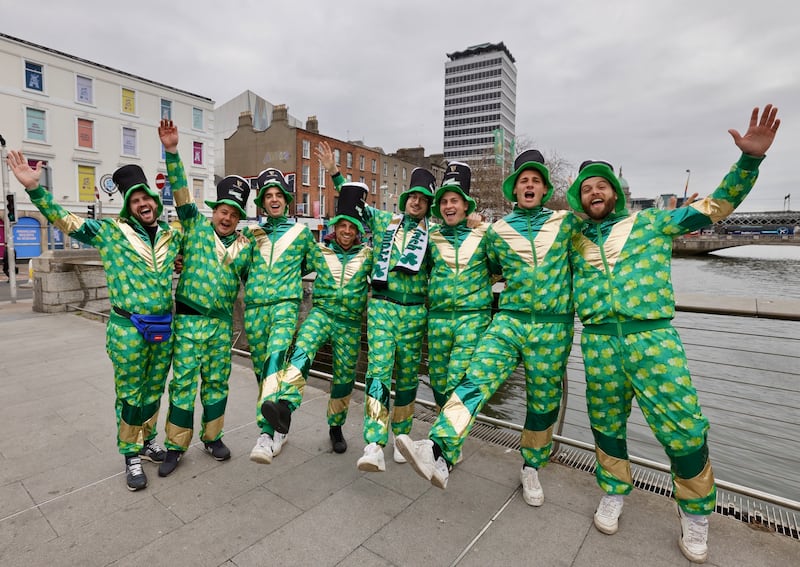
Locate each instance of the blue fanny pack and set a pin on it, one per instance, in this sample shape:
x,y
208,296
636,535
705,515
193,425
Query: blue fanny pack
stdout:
x,y
154,328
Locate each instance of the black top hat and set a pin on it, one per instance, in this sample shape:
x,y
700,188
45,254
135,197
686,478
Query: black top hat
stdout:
x,y
422,181
351,204
273,177
529,159
233,191
130,178
458,173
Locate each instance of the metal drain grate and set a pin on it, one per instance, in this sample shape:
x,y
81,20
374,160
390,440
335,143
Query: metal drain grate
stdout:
x,y
743,508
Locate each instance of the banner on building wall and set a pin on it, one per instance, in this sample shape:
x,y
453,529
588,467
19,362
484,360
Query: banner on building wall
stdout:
x,y
498,146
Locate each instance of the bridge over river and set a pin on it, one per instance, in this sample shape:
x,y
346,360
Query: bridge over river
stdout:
x,y
781,228
696,244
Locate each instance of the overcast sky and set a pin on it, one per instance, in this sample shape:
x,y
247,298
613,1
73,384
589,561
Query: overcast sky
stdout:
x,y
652,86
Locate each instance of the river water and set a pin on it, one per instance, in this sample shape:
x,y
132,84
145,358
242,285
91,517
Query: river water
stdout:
x,y
745,370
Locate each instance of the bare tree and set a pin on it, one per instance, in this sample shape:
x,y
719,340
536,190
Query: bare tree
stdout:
x,y
488,177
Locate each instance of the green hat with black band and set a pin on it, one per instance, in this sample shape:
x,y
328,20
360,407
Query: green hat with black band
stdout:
x,y
233,191
457,178
130,178
529,159
595,168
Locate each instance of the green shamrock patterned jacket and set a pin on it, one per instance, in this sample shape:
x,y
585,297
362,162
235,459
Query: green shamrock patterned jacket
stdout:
x,y
532,245
340,289
622,264
406,287
277,255
212,265
139,275
460,272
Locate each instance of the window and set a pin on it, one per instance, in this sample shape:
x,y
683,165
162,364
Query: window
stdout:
x,y
362,162
35,125
395,170
84,89
404,174
306,149
128,101
166,109
197,153
197,190
129,142
337,156
306,204
374,166
306,174
361,179
374,187
349,159
322,206
34,76
322,175
85,133
349,177
197,118
385,168
86,183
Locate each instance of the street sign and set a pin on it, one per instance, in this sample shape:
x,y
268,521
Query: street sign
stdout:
x,y
161,179
166,195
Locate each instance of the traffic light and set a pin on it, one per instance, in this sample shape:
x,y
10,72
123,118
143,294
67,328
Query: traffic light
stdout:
x,y
11,213
90,211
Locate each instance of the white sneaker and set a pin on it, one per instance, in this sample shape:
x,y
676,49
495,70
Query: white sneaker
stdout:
x,y
262,452
278,441
420,456
532,491
372,461
606,518
397,455
694,536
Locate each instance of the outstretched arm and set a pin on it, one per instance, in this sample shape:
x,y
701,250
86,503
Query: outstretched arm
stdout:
x,y
325,155
28,176
760,133
168,133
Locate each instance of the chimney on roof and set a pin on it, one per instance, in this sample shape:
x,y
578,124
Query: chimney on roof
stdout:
x,y
280,113
245,119
312,124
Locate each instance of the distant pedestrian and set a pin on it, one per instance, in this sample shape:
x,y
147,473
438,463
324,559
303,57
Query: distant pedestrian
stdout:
x,y
623,294
138,253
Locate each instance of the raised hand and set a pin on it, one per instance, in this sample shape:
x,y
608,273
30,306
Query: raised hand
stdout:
x,y
760,134
25,174
325,155
168,133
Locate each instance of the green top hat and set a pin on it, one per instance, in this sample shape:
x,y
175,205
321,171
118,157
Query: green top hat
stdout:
x,y
272,177
350,205
422,181
593,168
130,178
233,191
457,178
529,159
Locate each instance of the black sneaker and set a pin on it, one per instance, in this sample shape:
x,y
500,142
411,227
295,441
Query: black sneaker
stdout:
x,y
153,452
218,450
135,475
278,415
170,462
337,439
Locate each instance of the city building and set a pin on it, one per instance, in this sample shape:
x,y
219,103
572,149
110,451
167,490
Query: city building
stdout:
x,y
83,120
480,97
290,148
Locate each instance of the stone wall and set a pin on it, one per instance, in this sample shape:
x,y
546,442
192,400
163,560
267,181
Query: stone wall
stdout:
x,y
69,277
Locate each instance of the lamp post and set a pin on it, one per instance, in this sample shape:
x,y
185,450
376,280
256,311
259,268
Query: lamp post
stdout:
x,y
686,188
12,261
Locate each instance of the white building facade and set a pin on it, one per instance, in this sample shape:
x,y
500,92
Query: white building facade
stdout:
x,y
480,100
84,120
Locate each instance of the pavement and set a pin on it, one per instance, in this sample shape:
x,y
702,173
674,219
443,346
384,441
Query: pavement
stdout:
x,y
63,499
